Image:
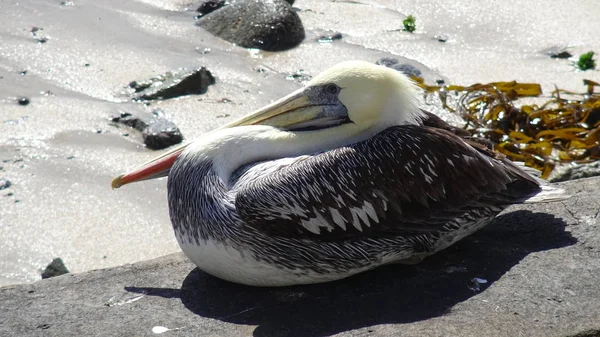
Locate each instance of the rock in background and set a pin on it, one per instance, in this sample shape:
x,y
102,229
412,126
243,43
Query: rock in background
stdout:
x,y
270,25
157,132
173,85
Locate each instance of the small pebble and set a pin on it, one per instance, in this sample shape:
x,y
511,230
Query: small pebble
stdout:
x,y
562,55
557,52
5,183
329,38
441,38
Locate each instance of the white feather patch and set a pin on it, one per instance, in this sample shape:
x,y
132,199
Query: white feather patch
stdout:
x,y
337,218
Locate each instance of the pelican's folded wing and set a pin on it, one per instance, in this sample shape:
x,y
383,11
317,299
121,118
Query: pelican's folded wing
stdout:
x,y
407,179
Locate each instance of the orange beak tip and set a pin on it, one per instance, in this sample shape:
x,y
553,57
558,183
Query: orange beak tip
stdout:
x,y
117,182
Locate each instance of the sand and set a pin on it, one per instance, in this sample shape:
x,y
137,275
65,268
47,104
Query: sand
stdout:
x,y
60,152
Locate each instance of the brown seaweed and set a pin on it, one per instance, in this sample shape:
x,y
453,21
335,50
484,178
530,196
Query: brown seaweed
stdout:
x,y
564,129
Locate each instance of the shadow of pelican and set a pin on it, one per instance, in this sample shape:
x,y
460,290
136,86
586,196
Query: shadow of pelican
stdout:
x,y
390,294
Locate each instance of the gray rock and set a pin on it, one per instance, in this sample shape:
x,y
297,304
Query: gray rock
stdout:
x,y
405,68
171,85
270,25
157,132
532,272
557,52
329,37
55,268
161,134
23,101
5,183
570,172
441,38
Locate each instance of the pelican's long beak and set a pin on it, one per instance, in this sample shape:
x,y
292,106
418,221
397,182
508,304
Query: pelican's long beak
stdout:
x,y
294,109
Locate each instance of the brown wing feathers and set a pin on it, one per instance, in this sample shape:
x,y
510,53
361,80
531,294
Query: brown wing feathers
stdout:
x,y
407,178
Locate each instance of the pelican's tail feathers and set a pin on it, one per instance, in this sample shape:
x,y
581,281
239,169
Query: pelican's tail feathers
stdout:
x,y
547,194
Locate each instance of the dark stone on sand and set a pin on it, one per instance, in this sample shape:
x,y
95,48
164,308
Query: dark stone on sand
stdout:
x,y
328,38
270,25
562,55
407,69
161,134
130,120
157,132
532,272
387,61
23,101
194,83
441,38
557,53
55,268
4,183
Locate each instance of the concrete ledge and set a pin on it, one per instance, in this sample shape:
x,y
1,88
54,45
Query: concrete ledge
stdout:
x,y
533,272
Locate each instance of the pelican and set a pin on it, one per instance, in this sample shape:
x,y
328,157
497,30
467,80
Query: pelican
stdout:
x,y
337,178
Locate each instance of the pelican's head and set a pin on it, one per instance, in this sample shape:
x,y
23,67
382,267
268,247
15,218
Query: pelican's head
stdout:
x,y
359,96
371,94
357,92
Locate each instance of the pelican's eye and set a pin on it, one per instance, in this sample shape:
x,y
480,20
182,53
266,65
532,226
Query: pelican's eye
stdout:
x,y
332,89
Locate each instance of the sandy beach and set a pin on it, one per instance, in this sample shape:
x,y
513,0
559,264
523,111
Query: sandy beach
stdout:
x,y
61,150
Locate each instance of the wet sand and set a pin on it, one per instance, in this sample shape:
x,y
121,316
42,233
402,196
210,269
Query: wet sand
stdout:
x,y
61,151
